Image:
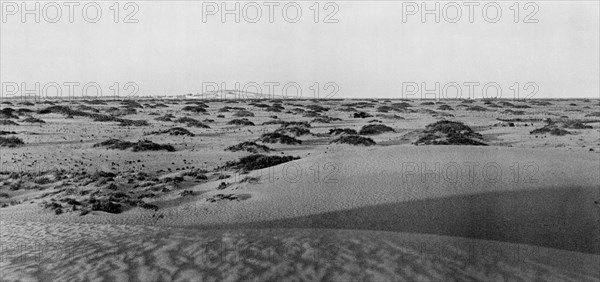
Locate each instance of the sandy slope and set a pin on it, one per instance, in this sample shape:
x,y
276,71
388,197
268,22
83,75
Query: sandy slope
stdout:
x,y
555,205
75,252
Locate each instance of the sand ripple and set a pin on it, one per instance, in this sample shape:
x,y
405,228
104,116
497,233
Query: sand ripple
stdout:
x,y
37,251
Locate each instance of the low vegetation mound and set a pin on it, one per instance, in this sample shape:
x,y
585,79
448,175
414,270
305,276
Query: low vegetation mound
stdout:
x,y
361,115
447,132
552,129
249,146
142,145
294,130
8,113
354,140
7,122
477,109
325,119
373,129
194,109
33,120
241,121
191,122
276,137
166,117
10,142
556,127
594,114
243,114
445,108
338,131
176,131
258,161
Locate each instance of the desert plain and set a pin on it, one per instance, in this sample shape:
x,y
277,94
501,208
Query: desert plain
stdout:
x,y
154,189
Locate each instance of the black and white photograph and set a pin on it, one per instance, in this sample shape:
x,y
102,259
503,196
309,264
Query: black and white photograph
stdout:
x,y
302,140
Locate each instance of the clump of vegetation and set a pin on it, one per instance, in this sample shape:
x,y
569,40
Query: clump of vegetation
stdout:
x,y
105,206
10,142
33,120
477,109
142,145
176,131
249,146
372,129
166,117
194,109
445,108
276,137
556,127
295,130
361,115
445,132
325,119
354,140
243,113
552,129
129,122
594,114
191,122
2,132
242,121
8,113
338,131
257,161
7,122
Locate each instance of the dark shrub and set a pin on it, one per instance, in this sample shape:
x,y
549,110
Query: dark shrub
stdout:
x,y
354,140
325,119
361,115
7,113
249,146
552,129
445,108
106,206
594,114
142,145
128,122
7,122
337,131
167,117
243,114
191,122
194,109
445,132
176,131
33,120
242,121
254,162
2,132
276,137
372,129
476,109
10,141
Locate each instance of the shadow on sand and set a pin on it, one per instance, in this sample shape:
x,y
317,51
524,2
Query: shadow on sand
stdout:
x,y
567,219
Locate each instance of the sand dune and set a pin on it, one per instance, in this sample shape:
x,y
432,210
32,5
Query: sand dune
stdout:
x,y
557,206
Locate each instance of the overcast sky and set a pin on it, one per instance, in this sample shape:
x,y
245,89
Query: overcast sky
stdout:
x,y
369,52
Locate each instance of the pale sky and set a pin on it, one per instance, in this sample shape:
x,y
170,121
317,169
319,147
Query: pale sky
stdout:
x,y
370,52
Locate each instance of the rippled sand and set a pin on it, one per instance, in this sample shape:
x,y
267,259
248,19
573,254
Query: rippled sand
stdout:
x,y
80,251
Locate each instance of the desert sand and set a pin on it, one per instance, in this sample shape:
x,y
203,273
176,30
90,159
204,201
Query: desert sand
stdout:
x,y
513,195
